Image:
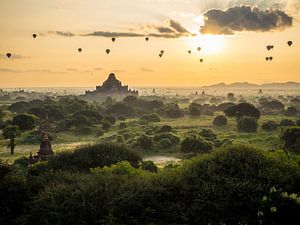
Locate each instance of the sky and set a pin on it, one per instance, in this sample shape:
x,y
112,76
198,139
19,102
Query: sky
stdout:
x,y
232,35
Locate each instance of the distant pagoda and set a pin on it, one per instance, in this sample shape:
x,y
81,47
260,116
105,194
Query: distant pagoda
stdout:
x,y
112,87
44,152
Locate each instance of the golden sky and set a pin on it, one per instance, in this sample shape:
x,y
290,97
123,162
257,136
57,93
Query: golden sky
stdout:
x,y
63,26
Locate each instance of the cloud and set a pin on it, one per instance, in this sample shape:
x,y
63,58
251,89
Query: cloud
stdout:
x,y
98,69
244,18
144,69
172,29
114,34
6,70
62,33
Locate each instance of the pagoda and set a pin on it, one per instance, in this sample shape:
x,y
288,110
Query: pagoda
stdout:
x,y
44,152
112,87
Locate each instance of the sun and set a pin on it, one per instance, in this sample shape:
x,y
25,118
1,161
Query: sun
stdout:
x,y
209,44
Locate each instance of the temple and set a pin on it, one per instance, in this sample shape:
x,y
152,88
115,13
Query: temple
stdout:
x,y
112,87
44,152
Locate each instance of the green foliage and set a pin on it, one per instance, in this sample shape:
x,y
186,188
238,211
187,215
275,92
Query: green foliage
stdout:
x,y
247,124
208,134
195,144
242,109
227,185
291,138
220,121
13,194
169,136
164,129
286,123
120,109
153,117
99,155
149,166
269,125
278,207
291,111
121,168
25,121
145,142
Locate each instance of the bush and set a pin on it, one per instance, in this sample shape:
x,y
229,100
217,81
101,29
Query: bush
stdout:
x,y
269,125
145,142
168,135
195,145
123,125
165,143
151,117
291,138
92,156
297,122
110,119
286,123
164,129
208,134
291,111
242,109
247,124
220,121
149,166
106,125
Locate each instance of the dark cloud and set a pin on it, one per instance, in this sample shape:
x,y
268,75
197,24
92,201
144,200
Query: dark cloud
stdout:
x,y
178,27
114,34
172,30
244,18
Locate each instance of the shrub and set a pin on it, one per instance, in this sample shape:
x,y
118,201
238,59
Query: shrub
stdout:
x,y
208,134
269,125
92,156
165,143
291,138
164,129
123,125
110,119
247,124
149,166
297,122
168,135
286,123
195,145
291,111
274,104
106,125
145,142
151,117
220,121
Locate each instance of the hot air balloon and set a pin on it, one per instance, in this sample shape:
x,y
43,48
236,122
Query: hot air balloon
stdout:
x,y
107,51
146,38
189,51
162,52
201,60
269,47
34,35
113,39
160,55
267,58
199,49
271,58
8,55
79,49
289,43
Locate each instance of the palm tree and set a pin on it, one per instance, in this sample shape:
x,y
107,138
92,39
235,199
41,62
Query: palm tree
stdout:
x,y
11,132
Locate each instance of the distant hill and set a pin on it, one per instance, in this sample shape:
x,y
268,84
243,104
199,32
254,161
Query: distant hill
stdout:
x,y
246,85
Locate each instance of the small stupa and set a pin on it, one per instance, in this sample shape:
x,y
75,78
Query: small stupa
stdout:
x,y
44,152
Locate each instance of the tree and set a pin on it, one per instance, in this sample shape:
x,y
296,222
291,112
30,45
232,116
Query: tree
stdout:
x,y
149,166
24,121
145,142
247,124
291,111
274,104
269,125
195,145
220,121
242,109
291,138
286,123
11,132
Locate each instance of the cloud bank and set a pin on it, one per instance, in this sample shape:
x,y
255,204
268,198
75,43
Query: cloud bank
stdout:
x,y
244,18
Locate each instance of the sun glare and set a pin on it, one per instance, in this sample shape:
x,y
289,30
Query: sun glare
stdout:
x,y
210,44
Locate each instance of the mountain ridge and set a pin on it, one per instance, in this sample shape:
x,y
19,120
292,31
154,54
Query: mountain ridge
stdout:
x,y
242,85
